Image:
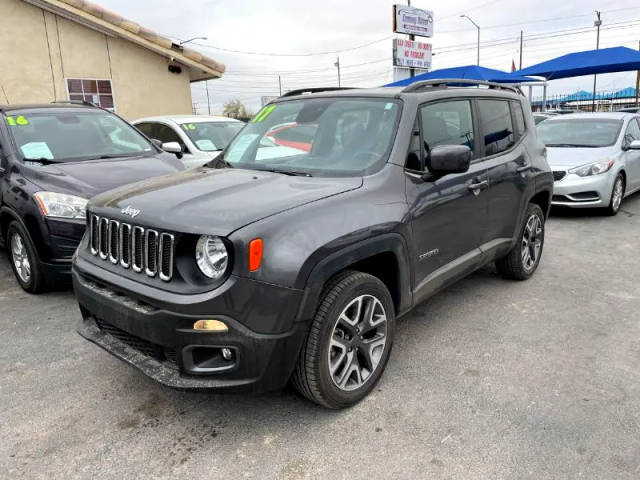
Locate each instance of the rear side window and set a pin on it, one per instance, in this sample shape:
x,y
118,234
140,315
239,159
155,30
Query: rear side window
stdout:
x,y
495,118
521,125
447,123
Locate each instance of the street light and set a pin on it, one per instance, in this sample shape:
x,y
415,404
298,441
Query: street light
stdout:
x,y
478,27
191,40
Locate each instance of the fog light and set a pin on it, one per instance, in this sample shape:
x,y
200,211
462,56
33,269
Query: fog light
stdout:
x,y
210,326
226,354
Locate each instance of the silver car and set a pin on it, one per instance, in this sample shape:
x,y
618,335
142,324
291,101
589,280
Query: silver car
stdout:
x,y
195,139
595,158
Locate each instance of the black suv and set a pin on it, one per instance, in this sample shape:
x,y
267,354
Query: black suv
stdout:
x,y
52,159
278,262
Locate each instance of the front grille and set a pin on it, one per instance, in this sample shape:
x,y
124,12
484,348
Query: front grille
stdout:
x,y
558,175
131,246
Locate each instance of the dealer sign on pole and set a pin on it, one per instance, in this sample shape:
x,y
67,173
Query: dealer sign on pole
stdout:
x,y
412,54
412,21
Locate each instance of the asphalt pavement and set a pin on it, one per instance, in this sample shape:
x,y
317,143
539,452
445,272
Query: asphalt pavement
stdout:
x,y
489,379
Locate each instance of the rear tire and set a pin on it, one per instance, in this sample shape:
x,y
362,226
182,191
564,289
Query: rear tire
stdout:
x,y
24,261
349,341
523,259
617,195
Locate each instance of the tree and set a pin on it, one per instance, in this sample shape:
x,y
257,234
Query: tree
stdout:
x,y
235,109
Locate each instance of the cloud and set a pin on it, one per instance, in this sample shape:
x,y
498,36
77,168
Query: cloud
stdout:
x,y
289,26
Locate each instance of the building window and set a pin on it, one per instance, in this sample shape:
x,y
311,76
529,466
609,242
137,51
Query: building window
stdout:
x,y
98,92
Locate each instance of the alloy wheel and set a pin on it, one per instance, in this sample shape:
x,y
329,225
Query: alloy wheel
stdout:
x,y
531,242
357,343
618,191
20,258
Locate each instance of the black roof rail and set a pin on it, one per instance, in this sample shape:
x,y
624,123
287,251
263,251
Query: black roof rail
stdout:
x,y
445,82
301,91
77,102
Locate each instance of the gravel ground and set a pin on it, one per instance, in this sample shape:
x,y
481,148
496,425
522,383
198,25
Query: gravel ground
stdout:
x,y
489,379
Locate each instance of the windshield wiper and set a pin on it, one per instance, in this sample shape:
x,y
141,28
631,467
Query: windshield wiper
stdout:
x,y
42,160
292,173
570,145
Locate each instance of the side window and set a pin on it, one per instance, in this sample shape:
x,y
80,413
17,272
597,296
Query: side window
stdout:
x,y
166,134
414,161
633,131
146,128
518,113
495,118
447,123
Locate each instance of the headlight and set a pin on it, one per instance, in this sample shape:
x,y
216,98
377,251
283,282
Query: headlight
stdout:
x,y
212,256
60,205
593,168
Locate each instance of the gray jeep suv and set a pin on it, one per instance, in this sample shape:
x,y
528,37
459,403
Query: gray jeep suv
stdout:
x,y
292,262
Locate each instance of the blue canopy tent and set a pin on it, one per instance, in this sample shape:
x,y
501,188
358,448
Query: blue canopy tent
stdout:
x,y
471,72
606,60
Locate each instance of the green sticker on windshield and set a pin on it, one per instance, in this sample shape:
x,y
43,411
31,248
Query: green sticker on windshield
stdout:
x,y
188,126
20,120
264,113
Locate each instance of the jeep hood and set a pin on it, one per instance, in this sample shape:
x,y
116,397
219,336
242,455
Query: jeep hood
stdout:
x,y
216,201
91,177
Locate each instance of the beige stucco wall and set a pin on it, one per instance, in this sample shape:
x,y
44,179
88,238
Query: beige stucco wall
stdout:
x,y
39,50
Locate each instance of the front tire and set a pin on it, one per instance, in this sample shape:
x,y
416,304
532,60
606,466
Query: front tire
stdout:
x,y
23,259
523,259
617,194
349,341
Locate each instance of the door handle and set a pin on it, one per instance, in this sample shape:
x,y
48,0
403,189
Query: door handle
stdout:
x,y
478,186
524,168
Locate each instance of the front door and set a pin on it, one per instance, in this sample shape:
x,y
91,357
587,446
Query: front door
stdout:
x,y
632,157
448,215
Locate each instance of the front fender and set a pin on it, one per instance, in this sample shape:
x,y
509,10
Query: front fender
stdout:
x,y
318,269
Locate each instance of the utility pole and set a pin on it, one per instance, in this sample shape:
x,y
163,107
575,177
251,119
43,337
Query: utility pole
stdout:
x,y
520,67
597,24
638,84
206,84
280,84
412,71
478,27
337,64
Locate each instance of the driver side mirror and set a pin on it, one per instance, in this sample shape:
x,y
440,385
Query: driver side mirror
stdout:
x,y
634,145
172,147
447,159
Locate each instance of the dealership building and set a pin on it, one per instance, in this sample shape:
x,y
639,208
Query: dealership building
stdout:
x,y
55,50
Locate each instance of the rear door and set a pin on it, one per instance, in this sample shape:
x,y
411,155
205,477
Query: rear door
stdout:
x,y
632,157
448,214
504,154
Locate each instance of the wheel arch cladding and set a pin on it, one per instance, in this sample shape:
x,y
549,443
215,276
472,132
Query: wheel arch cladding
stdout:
x,y
29,224
542,199
385,257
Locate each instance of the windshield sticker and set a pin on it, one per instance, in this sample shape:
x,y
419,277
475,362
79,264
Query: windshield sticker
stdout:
x,y
388,106
206,145
36,150
188,126
264,113
20,120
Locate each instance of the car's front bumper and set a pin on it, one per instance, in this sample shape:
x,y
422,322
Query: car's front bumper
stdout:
x,y
162,343
583,192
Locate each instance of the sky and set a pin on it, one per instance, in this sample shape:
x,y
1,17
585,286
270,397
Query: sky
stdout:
x,y
259,41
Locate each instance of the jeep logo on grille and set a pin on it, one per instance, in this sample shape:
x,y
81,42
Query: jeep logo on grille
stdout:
x,y
129,210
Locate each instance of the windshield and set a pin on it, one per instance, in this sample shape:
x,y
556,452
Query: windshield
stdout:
x,y
579,132
72,136
317,136
211,136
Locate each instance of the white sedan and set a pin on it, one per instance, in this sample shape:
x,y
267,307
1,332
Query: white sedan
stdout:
x,y
196,140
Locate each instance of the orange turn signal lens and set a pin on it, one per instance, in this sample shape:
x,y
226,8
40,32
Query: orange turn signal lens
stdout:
x,y
210,326
255,254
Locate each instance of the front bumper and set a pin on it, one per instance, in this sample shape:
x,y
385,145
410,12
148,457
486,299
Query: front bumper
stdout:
x,y
583,192
162,343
